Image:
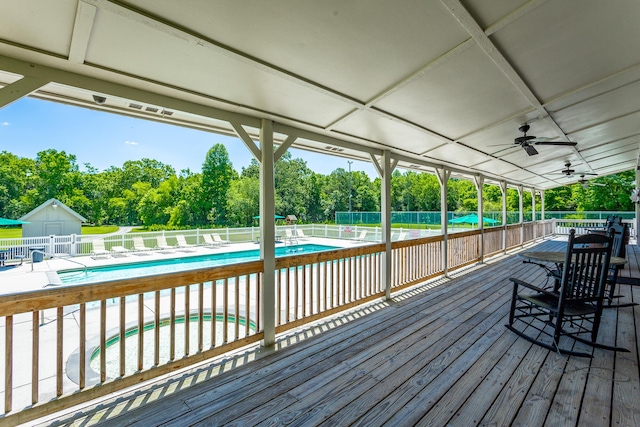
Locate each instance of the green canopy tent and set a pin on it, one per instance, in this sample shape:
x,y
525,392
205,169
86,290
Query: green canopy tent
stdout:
x,y
473,219
6,221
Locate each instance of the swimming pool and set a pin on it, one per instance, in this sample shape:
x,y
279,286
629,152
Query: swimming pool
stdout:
x,y
171,265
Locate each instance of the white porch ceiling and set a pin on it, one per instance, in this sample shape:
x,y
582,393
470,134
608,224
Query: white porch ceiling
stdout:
x,y
436,82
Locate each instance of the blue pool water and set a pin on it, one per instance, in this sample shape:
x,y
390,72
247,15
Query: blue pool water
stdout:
x,y
171,265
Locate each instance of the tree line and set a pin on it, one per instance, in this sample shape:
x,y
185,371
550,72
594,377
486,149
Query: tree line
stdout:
x,y
150,193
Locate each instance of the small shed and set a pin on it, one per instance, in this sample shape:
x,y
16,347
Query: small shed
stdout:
x,y
52,218
290,219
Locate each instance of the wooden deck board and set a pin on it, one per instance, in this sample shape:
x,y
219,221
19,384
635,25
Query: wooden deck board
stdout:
x,y
436,355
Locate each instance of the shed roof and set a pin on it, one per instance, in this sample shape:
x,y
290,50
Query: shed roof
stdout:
x,y
49,202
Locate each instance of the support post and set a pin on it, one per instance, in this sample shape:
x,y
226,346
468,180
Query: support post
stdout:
x,y
503,189
443,177
533,214
542,214
479,182
385,168
521,214
385,207
268,233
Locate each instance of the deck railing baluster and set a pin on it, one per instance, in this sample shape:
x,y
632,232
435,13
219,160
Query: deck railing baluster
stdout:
x,y
156,330
140,334
8,363
122,336
35,357
201,317
59,350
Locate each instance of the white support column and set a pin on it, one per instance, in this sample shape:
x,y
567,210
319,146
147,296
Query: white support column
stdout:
x,y
533,214
521,214
503,189
385,208
385,169
479,182
443,177
544,228
268,233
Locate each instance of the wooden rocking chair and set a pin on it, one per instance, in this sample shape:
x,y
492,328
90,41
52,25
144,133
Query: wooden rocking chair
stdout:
x,y
544,316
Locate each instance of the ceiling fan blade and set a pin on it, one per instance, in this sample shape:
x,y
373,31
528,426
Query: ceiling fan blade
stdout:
x,y
530,150
567,143
522,139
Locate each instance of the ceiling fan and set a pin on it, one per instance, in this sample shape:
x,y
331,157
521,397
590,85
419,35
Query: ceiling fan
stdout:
x,y
585,183
528,141
567,171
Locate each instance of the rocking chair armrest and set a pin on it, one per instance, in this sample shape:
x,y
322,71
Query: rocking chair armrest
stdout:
x,y
518,282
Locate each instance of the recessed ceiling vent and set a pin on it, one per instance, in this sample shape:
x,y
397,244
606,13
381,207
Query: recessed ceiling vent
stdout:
x,y
167,113
414,166
334,149
135,106
151,109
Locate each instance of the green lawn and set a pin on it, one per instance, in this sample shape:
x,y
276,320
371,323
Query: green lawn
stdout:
x,y
16,232
10,233
104,229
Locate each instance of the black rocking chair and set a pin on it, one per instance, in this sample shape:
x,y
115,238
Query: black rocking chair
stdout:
x,y
543,316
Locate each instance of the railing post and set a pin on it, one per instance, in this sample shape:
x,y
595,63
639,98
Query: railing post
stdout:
x,y
72,245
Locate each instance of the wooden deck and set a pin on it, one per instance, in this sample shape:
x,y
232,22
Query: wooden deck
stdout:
x,y
437,355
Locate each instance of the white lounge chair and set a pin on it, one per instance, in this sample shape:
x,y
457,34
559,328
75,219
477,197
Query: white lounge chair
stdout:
x,y
289,237
300,234
208,241
401,236
139,246
98,249
163,245
119,251
183,245
361,238
218,239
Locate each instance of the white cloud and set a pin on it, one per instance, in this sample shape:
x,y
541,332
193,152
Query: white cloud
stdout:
x,y
5,123
131,142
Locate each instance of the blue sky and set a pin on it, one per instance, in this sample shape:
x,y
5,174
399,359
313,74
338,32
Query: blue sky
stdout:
x,y
29,125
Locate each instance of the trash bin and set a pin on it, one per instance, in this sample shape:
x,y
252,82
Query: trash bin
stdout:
x,y
37,254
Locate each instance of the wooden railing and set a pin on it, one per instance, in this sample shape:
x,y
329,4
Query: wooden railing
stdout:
x,y
67,345
414,261
493,242
319,284
463,249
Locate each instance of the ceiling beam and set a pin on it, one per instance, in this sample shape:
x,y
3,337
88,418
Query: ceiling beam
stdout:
x,y
82,27
20,88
